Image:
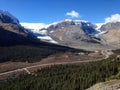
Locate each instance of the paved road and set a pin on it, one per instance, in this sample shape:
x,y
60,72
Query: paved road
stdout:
x,y
105,53
42,65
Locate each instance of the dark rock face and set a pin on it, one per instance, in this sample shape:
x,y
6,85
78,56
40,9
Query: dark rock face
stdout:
x,y
9,38
89,28
12,36
6,17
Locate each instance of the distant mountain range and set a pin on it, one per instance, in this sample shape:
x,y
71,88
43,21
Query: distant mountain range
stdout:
x,y
75,34
83,34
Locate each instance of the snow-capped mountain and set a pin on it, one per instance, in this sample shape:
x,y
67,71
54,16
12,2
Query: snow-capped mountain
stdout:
x,y
7,18
77,34
80,30
74,33
88,27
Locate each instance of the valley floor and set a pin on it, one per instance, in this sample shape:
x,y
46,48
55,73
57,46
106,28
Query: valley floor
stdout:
x,y
8,69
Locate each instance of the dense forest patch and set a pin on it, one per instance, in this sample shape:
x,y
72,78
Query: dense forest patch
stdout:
x,y
31,53
65,77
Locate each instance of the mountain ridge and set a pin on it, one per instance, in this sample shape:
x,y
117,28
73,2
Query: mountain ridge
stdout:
x,y
71,33
76,33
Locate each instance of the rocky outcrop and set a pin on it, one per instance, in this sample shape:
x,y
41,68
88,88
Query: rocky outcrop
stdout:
x,y
109,85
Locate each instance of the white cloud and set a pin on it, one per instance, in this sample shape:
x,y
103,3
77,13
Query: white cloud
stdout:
x,y
33,25
113,18
73,14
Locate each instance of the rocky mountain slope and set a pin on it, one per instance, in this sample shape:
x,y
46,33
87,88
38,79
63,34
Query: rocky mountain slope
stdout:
x,y
84,35
76,34
112,35
11,32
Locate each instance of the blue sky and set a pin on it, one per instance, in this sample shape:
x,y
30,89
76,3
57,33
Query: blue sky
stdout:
x,y
48,11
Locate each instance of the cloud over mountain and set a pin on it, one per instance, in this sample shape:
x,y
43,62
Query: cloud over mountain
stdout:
x,y
113,18
73,14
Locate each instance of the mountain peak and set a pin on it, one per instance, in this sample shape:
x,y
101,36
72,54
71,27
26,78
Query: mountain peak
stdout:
x,y
71,22
6,17
88,27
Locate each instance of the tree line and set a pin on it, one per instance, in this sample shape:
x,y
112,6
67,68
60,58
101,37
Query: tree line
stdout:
x,y
65,77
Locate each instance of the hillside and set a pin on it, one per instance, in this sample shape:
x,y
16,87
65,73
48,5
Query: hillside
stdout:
x,y
112,35
19,44
64,77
